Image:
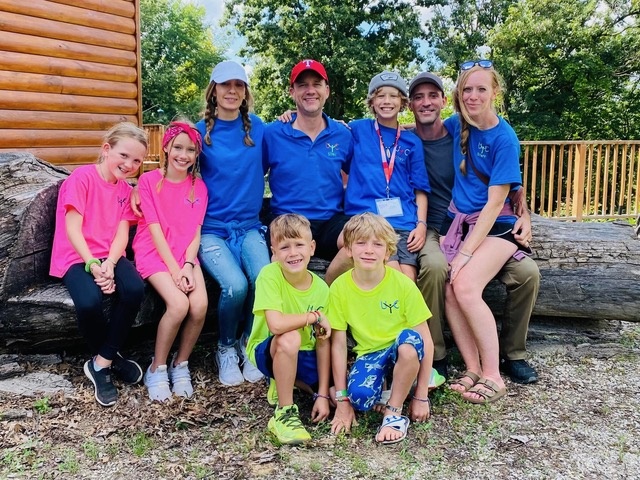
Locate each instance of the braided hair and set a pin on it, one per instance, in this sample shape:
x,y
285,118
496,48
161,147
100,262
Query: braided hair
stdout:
x,y
211,113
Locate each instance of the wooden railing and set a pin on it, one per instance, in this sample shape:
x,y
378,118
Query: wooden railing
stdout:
x,y
582,179
564,180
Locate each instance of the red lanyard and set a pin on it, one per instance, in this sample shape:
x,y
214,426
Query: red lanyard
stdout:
x,y
387,163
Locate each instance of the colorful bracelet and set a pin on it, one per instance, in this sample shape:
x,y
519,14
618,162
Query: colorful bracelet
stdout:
x,y
319,395
89,263
342,396
318,316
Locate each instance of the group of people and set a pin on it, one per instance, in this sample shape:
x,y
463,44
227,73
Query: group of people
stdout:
x,y
438,205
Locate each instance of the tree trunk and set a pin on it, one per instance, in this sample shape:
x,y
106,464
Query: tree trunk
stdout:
x,y
589,270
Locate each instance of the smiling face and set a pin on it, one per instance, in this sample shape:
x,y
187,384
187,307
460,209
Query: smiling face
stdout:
x,y
426,103
310,92
478,95
293,254
368,254
181,155
229,96
122,159
386,103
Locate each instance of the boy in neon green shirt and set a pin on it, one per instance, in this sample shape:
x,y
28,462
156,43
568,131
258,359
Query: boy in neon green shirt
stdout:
x,y
289,339
387,318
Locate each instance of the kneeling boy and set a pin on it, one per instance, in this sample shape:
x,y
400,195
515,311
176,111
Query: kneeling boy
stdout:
x,y
289,339
386,316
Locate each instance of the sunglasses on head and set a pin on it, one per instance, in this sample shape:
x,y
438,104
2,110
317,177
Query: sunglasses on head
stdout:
x,y
469,64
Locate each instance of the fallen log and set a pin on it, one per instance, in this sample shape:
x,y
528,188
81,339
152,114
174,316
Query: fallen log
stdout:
x,y
589,270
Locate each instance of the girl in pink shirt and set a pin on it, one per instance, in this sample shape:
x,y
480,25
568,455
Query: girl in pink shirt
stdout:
x,y
173,200
93,216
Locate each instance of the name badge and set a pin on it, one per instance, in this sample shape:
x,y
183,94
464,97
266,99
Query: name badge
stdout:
x,y
389,207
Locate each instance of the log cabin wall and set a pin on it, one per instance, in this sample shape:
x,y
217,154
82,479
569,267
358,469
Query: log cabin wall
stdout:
x,y
69,70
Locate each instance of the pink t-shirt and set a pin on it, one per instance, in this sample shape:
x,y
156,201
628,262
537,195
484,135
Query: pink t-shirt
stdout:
x,y
103,206
178,216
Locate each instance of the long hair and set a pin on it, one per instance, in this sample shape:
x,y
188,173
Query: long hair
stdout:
x,y
124,130
211,113
459,106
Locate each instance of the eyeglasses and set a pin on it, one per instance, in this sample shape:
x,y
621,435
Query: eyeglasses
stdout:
x,y
469,64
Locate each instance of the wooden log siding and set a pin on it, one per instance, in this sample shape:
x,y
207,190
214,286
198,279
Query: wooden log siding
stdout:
x,y
69,70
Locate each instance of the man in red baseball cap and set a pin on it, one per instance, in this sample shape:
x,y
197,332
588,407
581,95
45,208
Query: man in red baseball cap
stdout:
x,y
306,156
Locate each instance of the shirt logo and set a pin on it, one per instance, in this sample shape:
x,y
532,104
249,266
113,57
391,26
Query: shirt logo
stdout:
x,y
122,201
332,149
193,204
483,150
390,306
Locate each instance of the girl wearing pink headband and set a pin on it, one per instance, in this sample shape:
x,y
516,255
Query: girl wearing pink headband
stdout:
x,y
174,201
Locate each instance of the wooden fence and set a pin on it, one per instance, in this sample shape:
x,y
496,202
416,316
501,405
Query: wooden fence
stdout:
x,y
564,180
582,180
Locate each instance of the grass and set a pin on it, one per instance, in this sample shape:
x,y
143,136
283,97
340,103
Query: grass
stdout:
x,y
42,405
140,444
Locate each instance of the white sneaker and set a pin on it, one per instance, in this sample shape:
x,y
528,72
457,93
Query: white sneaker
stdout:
x,y
249,371
157,383
228,370
180,379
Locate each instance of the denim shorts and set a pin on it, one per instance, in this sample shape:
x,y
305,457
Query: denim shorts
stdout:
x,y
403,255
307,371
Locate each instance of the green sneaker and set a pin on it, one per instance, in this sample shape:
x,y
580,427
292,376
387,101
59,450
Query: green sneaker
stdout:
x,y
287,427
436,379
272,393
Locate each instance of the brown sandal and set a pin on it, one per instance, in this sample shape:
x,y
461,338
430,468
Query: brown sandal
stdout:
x,y
465,384
487,390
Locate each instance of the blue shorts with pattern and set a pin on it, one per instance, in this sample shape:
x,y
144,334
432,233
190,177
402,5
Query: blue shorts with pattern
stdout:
x,y
367,375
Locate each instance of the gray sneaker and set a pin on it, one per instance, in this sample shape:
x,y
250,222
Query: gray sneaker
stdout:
x,y
228,370
249,371
180,378
157,383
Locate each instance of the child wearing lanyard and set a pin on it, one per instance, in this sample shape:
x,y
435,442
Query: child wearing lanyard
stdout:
x,y
388,174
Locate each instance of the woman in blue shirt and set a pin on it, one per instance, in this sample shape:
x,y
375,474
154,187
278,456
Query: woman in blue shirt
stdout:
x,y
479,238
232,247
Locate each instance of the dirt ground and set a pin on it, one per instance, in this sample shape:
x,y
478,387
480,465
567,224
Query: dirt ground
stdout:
x,y
580,421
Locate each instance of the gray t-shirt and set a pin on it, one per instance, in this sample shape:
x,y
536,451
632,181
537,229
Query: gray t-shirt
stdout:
x,y
438,157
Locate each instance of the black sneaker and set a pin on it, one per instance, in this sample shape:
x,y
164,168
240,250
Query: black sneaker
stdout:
x,y
105,391
442,366
126,370
519,371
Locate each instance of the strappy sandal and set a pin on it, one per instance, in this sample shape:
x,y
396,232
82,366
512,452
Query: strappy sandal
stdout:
x,y
465,384
487,390
397,422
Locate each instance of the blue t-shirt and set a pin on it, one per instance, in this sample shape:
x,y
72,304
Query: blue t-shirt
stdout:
x,y
495,152
304,175
232,171
367,181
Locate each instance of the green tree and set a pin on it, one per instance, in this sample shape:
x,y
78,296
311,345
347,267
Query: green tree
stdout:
x,y
458,29
354,39
571,68
177,57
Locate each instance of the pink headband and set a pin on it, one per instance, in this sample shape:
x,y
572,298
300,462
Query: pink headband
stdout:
x,y
176,128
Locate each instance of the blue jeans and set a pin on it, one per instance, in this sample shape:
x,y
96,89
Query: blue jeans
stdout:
x,y
237,281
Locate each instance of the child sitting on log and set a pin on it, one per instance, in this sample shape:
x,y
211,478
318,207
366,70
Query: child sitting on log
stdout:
x,y
93,216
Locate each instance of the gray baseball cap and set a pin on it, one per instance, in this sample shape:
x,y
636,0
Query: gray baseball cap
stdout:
x,y
426,77
388,79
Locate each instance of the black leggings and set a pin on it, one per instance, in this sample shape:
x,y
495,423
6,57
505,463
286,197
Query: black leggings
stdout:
x,y
105,336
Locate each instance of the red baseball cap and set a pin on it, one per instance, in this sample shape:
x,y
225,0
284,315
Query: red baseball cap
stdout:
x,y
305,65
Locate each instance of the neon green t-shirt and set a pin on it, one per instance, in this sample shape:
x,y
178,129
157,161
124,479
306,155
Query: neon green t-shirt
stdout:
x,y
376,317
273,292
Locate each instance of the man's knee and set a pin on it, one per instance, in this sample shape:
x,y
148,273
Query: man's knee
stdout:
x,y
524,273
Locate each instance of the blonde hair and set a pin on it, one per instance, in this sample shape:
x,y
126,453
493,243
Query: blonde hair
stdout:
x,y
123,130
211,113
369,225
404,100
287,226
459,106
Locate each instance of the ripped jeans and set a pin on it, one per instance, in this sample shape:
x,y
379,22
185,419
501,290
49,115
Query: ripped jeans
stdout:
x,y
237,282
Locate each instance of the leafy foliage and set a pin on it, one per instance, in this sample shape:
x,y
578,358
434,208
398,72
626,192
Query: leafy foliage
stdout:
x,y
354,39
177,57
